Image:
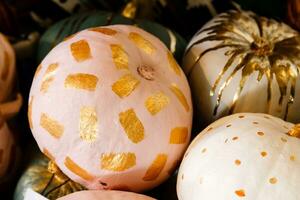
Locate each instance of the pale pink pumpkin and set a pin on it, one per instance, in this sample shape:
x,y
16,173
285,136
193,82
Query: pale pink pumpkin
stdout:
x,y
104,195
7,68
6,147
112,108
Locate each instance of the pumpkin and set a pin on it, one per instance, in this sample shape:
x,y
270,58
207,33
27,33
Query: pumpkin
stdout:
x,y
242,156
43,177
104,195
239,59
71,25
112,108
7,68
7,150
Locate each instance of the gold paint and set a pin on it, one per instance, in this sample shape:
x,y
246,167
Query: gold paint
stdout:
x,y
156,103
292,158
180,96
29,113
235,138
260,133
125,85
130,9
48,77
237,162
257,45
156,167
37,71
81,50
179,135
295,131
273,180
118,162
6,64
173,41
142,43
173,64
52,126
119,56
240,193
106,31
81,81
76,169
88,124
263,154
47,153
132,126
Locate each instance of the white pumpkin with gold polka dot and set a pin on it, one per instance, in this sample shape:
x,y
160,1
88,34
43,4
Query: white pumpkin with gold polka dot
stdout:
x,y
243,156
7,68
112,108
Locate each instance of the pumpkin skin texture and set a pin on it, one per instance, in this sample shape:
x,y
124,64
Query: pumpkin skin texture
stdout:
x,y
56,33
242,156
44,178
112,108
104,195
239,59
7,145
7,68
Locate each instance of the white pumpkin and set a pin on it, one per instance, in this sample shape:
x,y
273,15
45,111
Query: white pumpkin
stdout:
x,y
7,68
238,59
242,156
7,146
112,108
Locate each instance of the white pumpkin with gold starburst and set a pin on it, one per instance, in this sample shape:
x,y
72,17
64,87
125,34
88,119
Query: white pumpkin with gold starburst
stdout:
x,y
111,107
240,62
242,156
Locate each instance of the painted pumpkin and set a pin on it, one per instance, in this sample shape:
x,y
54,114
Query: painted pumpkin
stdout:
x,y
43,177
242,156
71,25
112,108
104,195
239,59
7,68
7,150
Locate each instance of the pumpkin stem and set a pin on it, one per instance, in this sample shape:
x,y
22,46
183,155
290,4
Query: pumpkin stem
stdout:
x,y
295,131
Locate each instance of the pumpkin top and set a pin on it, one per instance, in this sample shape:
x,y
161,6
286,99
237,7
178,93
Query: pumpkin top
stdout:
x,y
253,44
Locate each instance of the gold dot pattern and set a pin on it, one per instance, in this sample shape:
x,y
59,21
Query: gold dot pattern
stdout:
x,y
125,85
106,31
273,180
156,167
81,81
179,135
235,138
141,43
132,126
263,154
48,77
81,50
76,169
240,193
260,133
52,126
156,103
88,124
180,96
118,162
237,162
173,64
119,56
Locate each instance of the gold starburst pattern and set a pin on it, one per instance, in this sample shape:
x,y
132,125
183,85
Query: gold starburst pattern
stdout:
x,y
256,44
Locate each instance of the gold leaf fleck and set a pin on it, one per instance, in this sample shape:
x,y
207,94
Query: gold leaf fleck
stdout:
x,y
180,96
76,169
119,56
106,31
125,85
173,64
141,43
240,193
179,135
52,126
29,113
156,102
156,167
48,77
81,50
118,161
88,124
81,81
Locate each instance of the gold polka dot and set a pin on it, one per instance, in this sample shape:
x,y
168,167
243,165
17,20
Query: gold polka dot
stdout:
x,y
81,50
173,64
179,135
263,154
88,123
240,193
273,180
106,31
260,133
292,158
142,43
229,125
48,77
283,139
255,122
241,116
235,138
125,85
81,81
156,102
180,96
237,162
76,169
118,161
52,126
119,56
203,150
